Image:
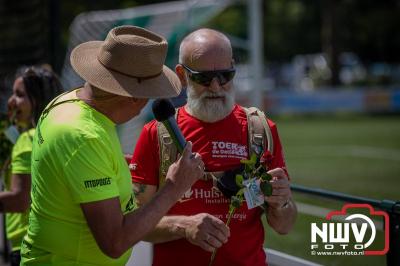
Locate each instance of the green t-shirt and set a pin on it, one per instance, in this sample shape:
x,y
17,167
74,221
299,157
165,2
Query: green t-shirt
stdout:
x,y
76,159
17,223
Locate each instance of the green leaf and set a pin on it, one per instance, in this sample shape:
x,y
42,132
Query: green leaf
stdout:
x,y
266,188
260,170
239,180
247,168
236,202
266,177
251,163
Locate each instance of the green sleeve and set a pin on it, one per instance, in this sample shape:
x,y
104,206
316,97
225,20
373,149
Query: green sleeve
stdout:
x,y
21,154
90,173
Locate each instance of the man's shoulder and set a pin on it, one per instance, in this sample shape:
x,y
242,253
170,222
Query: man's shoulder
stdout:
x,y
151,127
241,112
243,109
25,137
24,143
73,131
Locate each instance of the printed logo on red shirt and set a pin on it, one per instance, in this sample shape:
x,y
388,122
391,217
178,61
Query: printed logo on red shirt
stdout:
x,y
210,196
222,149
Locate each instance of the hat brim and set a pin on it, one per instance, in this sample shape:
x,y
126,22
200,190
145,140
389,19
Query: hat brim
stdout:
x,y
85,63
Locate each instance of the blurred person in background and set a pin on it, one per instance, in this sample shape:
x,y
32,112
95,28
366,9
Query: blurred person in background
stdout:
x,y
33,88
83,209
195,226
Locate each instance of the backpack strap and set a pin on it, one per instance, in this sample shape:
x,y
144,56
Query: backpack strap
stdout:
x,y
167,150
259,132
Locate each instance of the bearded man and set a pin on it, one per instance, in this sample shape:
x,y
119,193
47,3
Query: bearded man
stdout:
x,y
218,129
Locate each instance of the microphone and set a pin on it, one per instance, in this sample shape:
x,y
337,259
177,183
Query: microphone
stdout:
x,y
164,112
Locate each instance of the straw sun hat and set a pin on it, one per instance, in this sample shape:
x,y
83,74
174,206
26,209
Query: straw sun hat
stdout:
x,y
130,62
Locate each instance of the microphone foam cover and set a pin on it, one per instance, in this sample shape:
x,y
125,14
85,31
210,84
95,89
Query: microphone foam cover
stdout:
x,y
162,109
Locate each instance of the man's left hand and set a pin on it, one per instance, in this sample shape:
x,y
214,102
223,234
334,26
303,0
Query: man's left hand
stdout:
x,y
281,193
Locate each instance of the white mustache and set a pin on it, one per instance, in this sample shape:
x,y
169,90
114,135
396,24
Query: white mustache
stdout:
x,y
213,94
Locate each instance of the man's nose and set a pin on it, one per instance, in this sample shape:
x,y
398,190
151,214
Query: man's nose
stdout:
x,y
214,85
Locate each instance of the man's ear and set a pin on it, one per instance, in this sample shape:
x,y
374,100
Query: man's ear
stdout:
x,y
180,72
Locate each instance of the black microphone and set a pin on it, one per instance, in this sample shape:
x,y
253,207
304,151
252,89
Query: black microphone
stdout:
x,y
164,112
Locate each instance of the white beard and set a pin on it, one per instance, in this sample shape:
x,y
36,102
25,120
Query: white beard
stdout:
x,y
210,110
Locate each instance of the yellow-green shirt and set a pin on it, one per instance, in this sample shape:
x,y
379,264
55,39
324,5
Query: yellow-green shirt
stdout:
x,y
76,159
17,223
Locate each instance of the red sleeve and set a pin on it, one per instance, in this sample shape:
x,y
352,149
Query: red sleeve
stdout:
x,y
278,160
145,161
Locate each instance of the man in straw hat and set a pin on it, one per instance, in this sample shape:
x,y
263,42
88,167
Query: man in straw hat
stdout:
x,y
220,132
83,209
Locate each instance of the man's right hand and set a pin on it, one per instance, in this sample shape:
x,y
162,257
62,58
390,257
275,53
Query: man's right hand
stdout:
x,y
186,170
206,231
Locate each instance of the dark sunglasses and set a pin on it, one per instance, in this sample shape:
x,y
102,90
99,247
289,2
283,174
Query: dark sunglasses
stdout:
x,y
205,77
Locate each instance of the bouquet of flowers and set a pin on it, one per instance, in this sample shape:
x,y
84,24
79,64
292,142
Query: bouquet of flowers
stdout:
x,y
253,170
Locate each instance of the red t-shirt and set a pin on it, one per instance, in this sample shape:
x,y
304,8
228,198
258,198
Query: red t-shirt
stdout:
x,y
222,145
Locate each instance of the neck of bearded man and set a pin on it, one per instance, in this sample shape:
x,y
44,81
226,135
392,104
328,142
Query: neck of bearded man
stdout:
x,y
210,106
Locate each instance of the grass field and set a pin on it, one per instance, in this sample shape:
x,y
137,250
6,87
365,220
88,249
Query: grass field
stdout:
x,y
358,155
